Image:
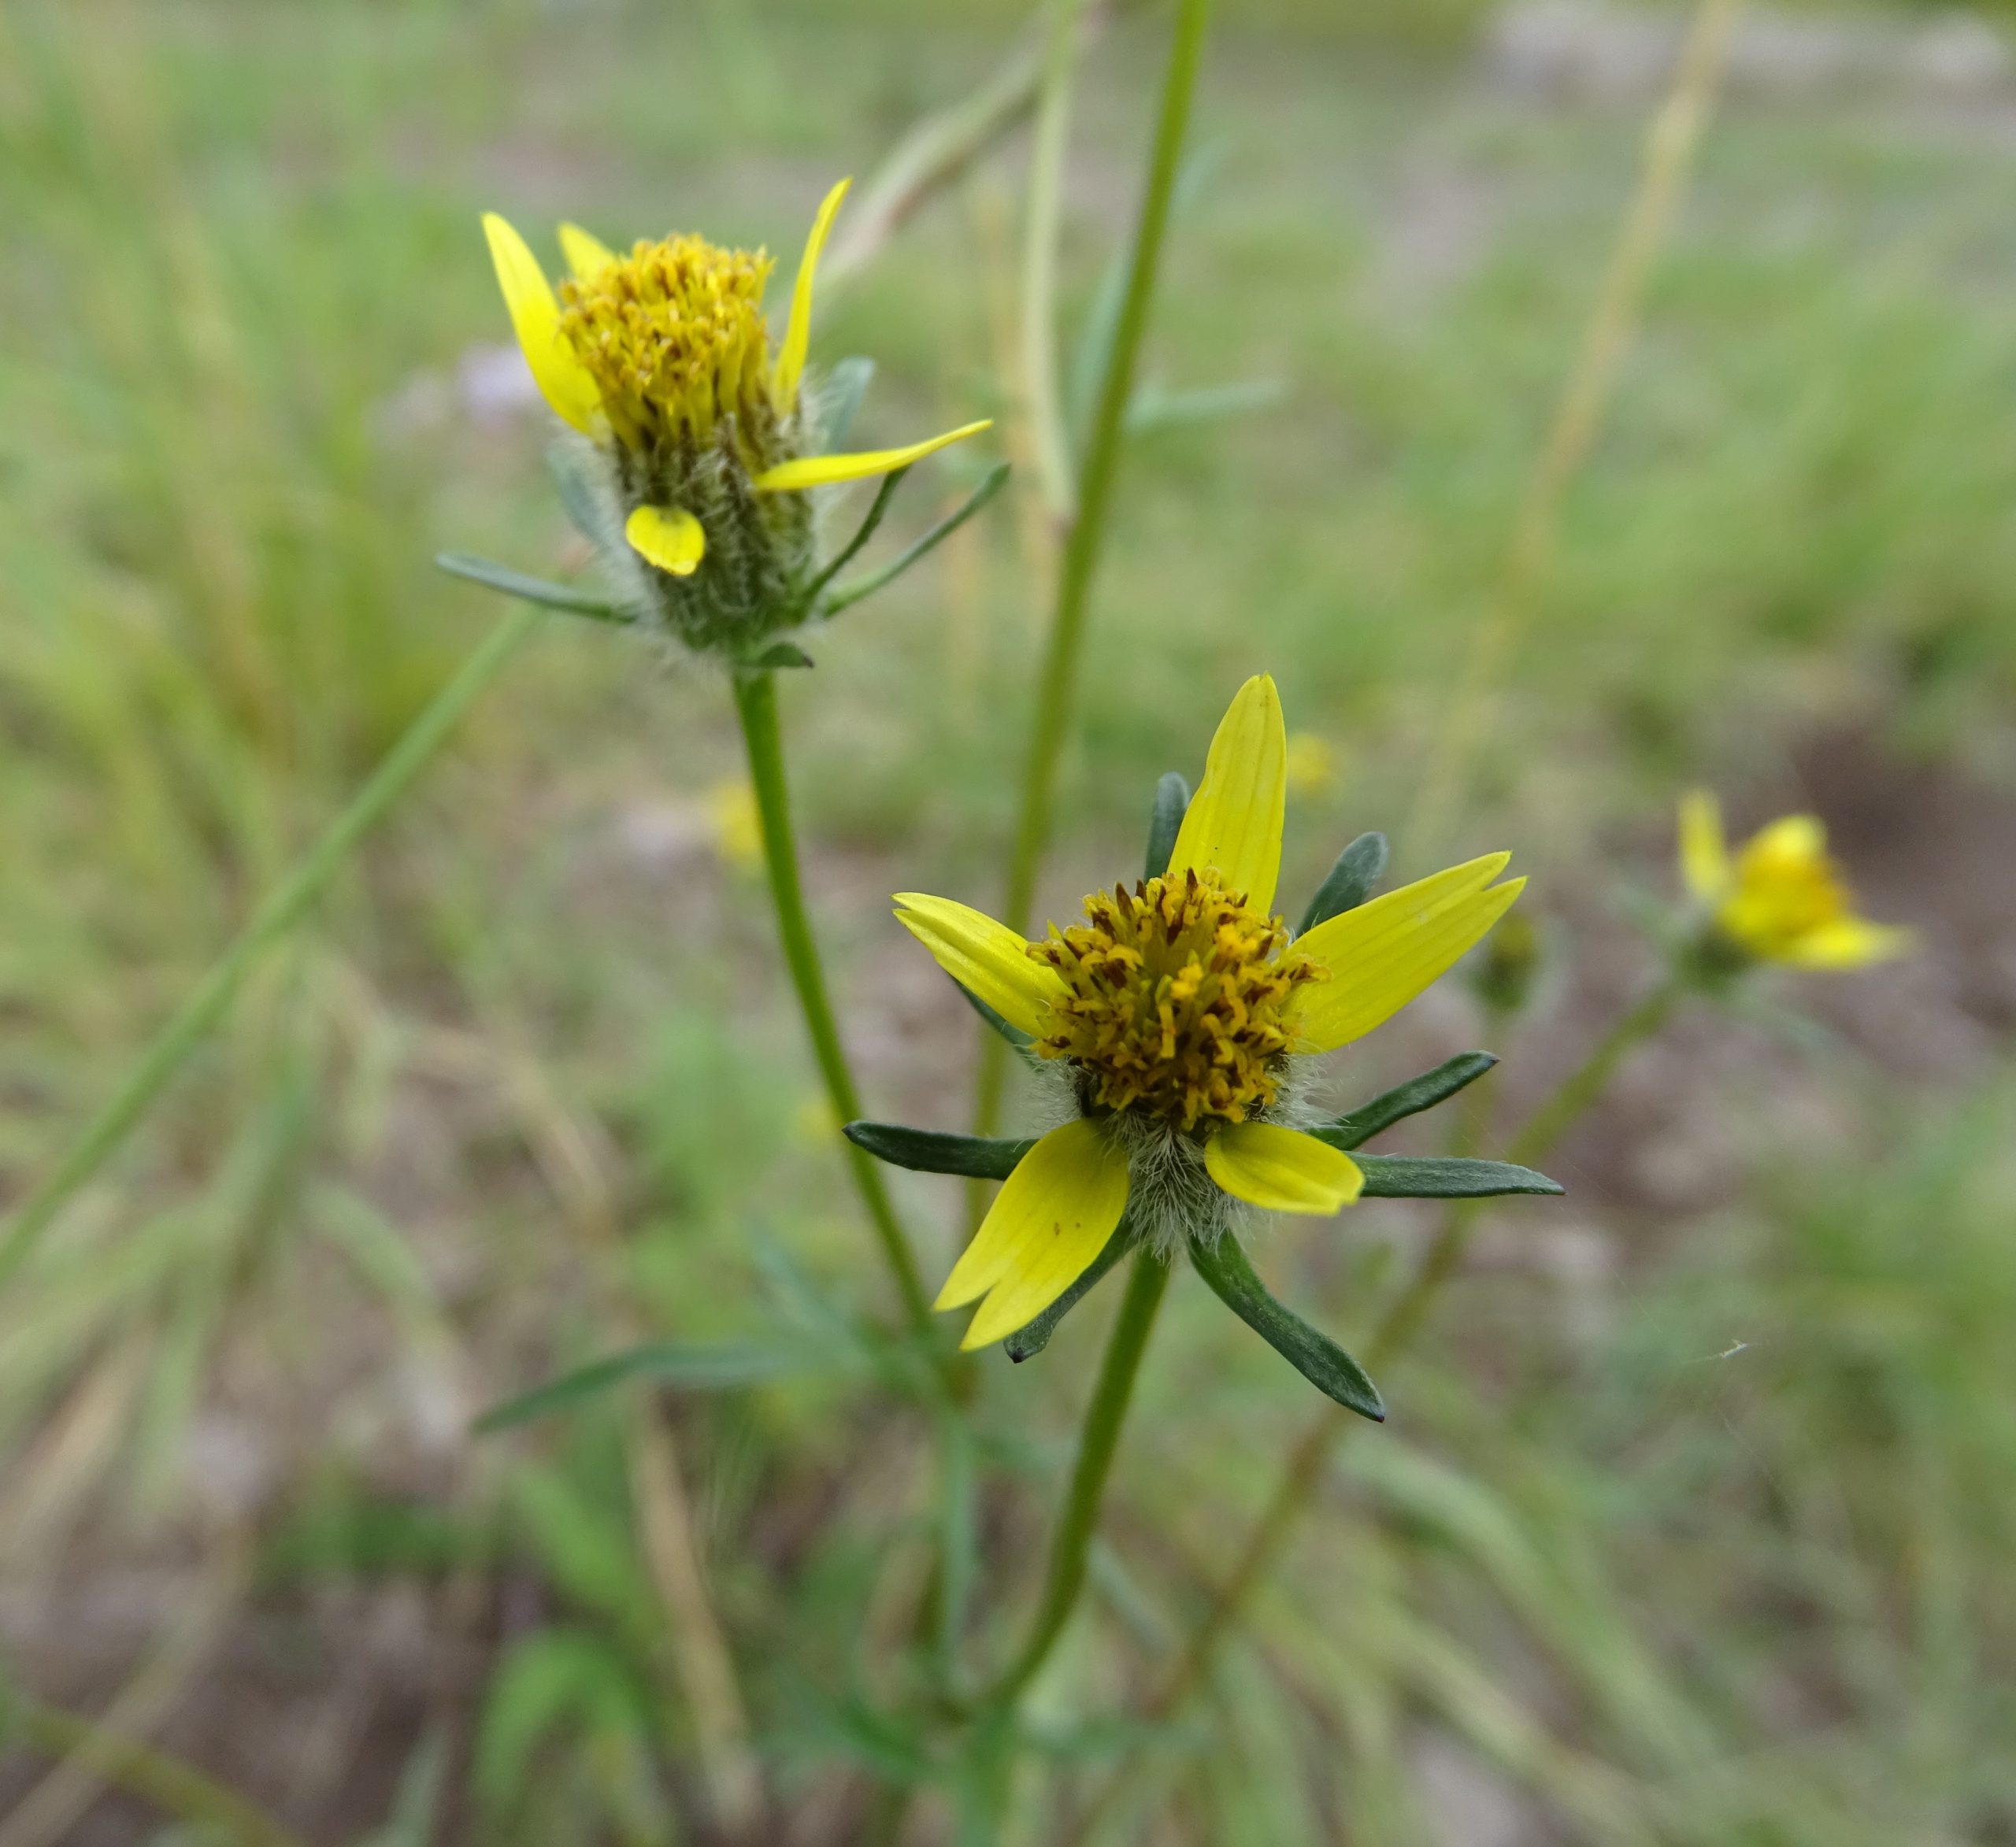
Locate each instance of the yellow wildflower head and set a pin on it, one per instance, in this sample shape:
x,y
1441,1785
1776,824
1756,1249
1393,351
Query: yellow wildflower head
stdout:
x,y
1179,1009
705,436
1782,897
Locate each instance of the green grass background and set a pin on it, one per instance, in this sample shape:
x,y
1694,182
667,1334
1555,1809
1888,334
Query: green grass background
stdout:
x,y
1599,1582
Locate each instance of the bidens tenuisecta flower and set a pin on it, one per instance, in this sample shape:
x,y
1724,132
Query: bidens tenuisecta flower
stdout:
x,y
1782,898
661,359
1175,1014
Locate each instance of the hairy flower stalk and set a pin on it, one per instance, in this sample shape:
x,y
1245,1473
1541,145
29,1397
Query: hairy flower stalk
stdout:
x,y
702,440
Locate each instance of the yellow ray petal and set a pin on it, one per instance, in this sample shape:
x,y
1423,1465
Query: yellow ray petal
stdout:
x,y
1704,860
669,537
562,379
1852,942
986,957
797,332
1282,1169
818,470
587,256
1384,953
1051,1217
1234,822
1795,840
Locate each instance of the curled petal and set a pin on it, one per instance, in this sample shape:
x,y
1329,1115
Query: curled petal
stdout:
x,y
820,471
797,332
1282,1169
563,381
668,537
1385,952
1051,1218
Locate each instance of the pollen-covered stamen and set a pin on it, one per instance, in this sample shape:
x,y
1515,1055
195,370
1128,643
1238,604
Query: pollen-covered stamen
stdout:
x,y
674,336
1176,999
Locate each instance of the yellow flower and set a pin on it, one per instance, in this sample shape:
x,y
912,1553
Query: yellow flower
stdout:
x,y
662,359
1782,899
1175,1012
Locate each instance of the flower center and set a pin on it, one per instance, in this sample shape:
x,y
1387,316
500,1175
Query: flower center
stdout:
x,y
674,337
1177,999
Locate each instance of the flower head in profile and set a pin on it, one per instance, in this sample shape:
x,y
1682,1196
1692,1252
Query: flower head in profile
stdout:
x,y
707,437
1781,898
1174,1016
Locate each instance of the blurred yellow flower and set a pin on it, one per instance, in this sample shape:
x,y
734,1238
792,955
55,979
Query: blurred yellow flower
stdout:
x,y
735,825
1177,1008
1782,898
1312,767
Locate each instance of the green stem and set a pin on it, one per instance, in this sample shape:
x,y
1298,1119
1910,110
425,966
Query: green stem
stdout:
x,y
1085,542
958,1545
1096,1442
1049,146
1582,1087
282,910
175,1787
756,704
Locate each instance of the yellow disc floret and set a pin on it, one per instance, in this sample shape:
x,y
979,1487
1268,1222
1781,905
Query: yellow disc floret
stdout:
x,y
674,337
1176,999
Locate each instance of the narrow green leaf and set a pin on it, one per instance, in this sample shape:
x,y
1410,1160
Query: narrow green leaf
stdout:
x,y
783,654
1011,1032
1166,821
1154,409
1352,881
551,1682
691,1366
1409,1099
885,491
1400,1176
1027,1342
846,384
930,1151
531,589
800,1300
848,594
1315,1355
